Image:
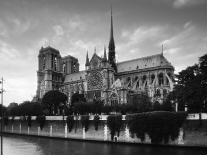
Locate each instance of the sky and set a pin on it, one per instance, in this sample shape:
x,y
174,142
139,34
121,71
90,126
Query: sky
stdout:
x,y
75,26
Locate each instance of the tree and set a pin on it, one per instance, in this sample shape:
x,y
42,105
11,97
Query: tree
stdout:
x,y
140,103
191,87
53,99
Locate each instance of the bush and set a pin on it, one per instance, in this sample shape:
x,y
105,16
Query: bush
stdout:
x,y
70,122
29,121
6,120
85,121
161,126
41,120
137,125
114,122
96,121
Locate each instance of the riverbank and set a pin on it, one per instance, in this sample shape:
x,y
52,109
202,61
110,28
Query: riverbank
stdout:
x,y
56,127
109,142
24,145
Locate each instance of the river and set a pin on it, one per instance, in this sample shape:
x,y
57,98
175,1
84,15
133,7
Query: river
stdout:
x,y
20,145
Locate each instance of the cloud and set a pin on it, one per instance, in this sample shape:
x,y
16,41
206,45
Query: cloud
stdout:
x,y
20,26
3,30
185,46
58,30
184,3
140,41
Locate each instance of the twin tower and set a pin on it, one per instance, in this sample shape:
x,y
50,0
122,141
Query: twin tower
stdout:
x,y
62,73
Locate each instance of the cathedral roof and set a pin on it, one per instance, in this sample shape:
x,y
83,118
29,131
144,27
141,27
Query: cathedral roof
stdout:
x,y
153,61
75,76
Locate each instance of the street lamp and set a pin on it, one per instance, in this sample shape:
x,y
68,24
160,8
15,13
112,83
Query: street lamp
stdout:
x,y
2,93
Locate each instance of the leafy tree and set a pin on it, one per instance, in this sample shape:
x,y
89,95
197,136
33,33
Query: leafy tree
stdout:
x,y
141,103
191,87
161,126
3,109
77,98
53,99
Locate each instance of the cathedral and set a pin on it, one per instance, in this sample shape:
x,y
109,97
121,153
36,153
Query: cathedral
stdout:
x,y
103,78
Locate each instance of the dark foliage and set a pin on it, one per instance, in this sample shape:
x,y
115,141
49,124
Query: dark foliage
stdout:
x,y
114,122
96,121
85,121
5,120
160,126
77,98
29,121
70,122
191,87
41,120
25,108
53,100
137,125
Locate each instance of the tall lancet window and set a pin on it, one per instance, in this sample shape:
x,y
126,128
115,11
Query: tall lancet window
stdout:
x,y
55,63
161,79
44,62
152,78
64,68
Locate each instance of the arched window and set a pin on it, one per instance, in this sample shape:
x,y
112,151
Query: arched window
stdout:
x,y
44,62
152,78
144,79
55,63
114,99
161,79
64,68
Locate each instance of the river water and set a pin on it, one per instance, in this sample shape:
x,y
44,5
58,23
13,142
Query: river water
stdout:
x,y
42,146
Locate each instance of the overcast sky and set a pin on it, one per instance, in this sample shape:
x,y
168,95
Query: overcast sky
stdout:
x,y
73,27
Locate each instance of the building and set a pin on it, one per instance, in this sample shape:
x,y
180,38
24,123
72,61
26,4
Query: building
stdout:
x,y
103,78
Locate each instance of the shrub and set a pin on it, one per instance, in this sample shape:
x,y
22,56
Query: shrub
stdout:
x,y
41,120
161,126
29,121
96,121
85,121
70,122
114,123
137,125
6,120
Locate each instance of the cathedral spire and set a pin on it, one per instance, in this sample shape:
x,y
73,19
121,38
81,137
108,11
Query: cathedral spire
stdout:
x,y
87,60
104,58
111,54
111,41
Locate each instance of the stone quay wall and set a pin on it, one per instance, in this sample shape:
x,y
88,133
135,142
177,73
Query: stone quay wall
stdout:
x,y
56,126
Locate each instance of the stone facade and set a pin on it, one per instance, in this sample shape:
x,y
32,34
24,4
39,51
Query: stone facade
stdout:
x,y
103,78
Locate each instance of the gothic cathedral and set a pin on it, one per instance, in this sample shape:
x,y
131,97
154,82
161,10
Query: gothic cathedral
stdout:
x,y
103,78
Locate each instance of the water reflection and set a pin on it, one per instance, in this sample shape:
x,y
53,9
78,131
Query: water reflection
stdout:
x,y
40,146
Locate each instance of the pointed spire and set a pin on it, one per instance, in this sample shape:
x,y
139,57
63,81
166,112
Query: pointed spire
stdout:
x,y
104,58
95,49
162,50
87,60
111,41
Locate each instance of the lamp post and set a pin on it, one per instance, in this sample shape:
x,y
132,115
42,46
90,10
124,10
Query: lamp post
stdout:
x,y
2,92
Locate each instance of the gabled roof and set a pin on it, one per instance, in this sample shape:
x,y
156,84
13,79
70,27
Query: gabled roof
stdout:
x,y
157,60
95,56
